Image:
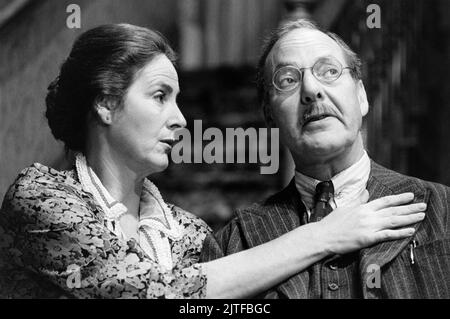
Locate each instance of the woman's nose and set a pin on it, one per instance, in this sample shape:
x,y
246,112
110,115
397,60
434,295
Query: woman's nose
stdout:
x,y
177,119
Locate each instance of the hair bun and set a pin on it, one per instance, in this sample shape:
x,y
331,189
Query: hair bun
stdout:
x,y
52,92
55,112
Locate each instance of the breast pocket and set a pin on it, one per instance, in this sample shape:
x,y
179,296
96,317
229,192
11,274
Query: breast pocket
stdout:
x,y
426,274
431,268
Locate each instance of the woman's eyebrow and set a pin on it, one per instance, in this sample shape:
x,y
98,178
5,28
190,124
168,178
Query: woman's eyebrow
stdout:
x,y
166,87
162,84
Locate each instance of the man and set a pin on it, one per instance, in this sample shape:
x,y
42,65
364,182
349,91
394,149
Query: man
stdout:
x,y
310,88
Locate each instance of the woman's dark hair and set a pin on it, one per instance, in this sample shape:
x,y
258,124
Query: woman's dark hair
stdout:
x,y
102,65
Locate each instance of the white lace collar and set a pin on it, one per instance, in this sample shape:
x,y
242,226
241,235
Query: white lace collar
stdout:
x,y
156,222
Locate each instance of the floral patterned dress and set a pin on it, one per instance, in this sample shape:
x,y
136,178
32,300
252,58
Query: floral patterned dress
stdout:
x,y
55,243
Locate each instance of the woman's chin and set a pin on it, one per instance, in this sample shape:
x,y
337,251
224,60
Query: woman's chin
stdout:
x,y
158,164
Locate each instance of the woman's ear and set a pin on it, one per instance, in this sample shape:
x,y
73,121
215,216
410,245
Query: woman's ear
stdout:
x,y
104,110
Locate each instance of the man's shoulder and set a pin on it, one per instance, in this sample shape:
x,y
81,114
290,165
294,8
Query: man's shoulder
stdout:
x,y
397,182
436,225
260,222
281,200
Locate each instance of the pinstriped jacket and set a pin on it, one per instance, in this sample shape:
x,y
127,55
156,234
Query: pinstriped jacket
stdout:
x,y
427,277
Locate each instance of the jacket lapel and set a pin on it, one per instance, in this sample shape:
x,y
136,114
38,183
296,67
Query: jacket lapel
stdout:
x,y
382,253
282,213
295,287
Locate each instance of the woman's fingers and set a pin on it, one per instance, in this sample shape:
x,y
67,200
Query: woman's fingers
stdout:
x,y
363,198
379,220
393,234
401,221
389,201
404,210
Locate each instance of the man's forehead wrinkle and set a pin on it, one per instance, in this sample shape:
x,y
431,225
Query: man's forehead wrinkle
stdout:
x,y
296,42
305,43
306,35
304,48
299,44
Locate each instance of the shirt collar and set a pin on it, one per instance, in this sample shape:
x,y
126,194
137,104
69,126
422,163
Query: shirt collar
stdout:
x,y
348,184
153,211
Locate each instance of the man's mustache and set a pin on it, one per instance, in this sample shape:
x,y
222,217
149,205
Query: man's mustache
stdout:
x,y
316,110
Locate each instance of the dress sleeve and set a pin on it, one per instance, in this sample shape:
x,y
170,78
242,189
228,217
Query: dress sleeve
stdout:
x,y
59,236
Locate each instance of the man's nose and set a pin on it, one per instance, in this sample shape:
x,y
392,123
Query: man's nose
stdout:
x,y
311,89
177,119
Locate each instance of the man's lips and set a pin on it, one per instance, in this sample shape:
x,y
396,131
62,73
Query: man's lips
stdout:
x,y
314,118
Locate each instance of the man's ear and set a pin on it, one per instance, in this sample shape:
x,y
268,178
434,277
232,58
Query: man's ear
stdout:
x,y
268,116
362,98
104,109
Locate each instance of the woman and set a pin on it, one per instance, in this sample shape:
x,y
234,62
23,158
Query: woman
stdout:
x,y
103,230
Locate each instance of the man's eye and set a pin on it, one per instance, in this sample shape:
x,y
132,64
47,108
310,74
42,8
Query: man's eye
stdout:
x,y
331,72
287,81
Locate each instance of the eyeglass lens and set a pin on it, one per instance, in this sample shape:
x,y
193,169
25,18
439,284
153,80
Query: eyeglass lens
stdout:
x,y
326,70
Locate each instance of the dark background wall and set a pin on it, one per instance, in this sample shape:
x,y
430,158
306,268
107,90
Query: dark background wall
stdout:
x,y
405,73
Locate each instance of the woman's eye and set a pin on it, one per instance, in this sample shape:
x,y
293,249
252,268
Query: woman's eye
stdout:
x,y
160,96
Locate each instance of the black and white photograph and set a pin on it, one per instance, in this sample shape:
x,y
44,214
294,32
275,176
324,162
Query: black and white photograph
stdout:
x,y
240,150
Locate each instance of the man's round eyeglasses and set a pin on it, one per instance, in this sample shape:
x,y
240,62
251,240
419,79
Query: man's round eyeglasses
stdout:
x,y
326,70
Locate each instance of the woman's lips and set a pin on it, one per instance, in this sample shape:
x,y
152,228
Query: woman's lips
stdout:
x,y
169,142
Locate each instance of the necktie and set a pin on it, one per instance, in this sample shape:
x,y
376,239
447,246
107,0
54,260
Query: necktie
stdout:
x,y
324,192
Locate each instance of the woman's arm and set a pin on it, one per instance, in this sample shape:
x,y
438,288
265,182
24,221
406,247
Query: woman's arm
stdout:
x,y
60,237
344,230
